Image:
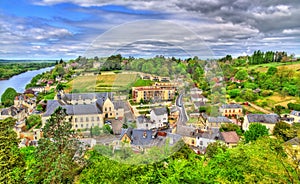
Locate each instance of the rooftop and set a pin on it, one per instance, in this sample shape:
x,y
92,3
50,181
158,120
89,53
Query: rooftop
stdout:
x,y
230,137
263,118
231,106
160,111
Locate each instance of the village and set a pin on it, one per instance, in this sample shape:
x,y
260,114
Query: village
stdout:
x,y
151,115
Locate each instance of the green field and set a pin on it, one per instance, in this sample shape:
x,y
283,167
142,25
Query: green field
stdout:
x,y
107,81
142,82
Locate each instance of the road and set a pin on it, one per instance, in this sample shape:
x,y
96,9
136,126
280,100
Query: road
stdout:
x,y
182,113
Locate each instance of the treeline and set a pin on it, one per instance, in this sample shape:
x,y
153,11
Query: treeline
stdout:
x,y
260,57
10,69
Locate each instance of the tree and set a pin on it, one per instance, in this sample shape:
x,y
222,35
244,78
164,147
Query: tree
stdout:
x,y
8,97
11,161
33,120
255,131
215,148
57,151
284,130
241,75
96,131
227,127
107,129
272,70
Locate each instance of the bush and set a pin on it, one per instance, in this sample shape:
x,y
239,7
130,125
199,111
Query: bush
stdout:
x,y
266,93
293,106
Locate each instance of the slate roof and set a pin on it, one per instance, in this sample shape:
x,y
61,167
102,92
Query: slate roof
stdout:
x,y
138,139
72,109
295,113
230,137
119,104
231,106
160,111
263,118
142,119
219,119
90,96
127,131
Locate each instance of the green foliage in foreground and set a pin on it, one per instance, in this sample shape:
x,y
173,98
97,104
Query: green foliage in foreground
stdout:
x,y
262,161
11,161
256,130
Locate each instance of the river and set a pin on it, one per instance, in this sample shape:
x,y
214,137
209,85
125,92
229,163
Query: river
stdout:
x,y
19,82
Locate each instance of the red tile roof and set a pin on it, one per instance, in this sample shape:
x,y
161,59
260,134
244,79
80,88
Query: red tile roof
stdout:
x,y
230,137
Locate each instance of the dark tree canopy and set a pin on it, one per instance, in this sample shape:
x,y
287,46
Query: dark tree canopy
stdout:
x,y
11,161
8,97
255,131
57,151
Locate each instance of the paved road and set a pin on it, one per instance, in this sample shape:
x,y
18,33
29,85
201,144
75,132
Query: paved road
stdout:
x,y
183,116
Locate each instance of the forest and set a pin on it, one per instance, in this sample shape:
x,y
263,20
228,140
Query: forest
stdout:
x,y
9,69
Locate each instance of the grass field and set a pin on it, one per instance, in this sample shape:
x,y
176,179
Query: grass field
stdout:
x,y
264,67
107,81
141,82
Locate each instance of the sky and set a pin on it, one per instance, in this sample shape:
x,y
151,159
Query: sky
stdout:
x,y
54,29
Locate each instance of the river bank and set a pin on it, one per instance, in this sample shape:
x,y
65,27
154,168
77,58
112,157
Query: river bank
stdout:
x,y
19,82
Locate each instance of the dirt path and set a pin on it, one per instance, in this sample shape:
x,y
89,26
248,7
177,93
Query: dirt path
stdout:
x,y
260,108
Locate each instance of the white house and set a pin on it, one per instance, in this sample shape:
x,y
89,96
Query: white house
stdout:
x,y
296,116
159,116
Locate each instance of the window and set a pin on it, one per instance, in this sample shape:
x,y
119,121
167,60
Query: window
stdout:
x,y
81,125
109,108
87,119
201,142
98,119
105,109
117,114
193,142
81,119
110,114
76,120
92,119
87,125
76,126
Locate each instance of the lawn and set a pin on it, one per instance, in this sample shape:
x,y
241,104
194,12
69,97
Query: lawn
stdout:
x,y
264,67
107,81
142,82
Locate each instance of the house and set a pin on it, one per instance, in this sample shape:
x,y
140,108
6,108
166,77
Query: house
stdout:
x,y
235,110
195,90
157,92
159,116
25,101
198,98
147,138
293,147
143,122
296,115
18,113
269,120
230,138
198,138
216,122
85,110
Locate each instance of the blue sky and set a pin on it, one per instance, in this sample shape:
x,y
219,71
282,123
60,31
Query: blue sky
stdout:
x,y
53,29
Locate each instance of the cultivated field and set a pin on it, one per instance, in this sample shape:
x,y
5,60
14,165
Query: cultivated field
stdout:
x,y
105,82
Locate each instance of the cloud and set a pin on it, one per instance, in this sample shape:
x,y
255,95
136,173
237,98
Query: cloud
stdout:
x,y
225,27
